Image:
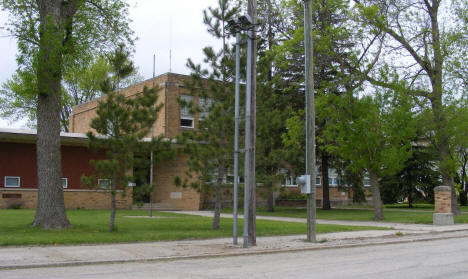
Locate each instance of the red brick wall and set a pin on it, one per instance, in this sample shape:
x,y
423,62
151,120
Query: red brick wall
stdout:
x,y
19,159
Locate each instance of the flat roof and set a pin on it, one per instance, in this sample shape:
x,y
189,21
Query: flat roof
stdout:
x,y
30,136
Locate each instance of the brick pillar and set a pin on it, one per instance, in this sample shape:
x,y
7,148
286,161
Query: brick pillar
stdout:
x,y
443,206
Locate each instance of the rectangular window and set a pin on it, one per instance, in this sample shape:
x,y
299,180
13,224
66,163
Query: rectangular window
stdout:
x,y
12,181
317,180
367,182
205,105
104,183
64,183
290,181
333,181
186,117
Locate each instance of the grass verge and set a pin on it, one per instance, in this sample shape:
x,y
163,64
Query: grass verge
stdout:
x,y
356,214
91,227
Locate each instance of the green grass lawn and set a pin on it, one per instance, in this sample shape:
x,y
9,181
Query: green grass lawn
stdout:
x,y
91,226
404,206
354,214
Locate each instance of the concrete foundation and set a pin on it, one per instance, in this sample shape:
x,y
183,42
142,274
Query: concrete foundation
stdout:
x,y
443,219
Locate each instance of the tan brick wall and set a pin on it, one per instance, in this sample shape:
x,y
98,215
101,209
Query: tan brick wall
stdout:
x,y
335,193
167,193
442,199
168,124
88,199
83,114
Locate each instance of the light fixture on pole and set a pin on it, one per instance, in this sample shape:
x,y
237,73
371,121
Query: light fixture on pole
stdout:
x,y
243,23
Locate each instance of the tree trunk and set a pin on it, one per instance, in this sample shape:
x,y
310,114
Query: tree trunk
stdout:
x,y
112,213
463,198
464,192
440,121
50,211
376,200
444,154
217,211
325,184
410,198
270,197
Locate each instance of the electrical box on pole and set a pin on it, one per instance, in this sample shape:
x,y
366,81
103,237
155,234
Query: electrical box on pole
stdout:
x,y
305,181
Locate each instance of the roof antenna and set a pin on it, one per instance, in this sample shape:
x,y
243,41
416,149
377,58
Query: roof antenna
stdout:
x,y
154,67
170,45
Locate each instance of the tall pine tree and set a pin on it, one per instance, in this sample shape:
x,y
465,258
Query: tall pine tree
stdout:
x,y
121,124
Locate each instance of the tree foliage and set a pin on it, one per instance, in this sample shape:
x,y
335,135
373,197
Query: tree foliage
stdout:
x,y
53,36
96,28
210,146
120,126
418,48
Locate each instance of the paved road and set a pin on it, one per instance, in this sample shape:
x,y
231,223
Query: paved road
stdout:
x,y
431,259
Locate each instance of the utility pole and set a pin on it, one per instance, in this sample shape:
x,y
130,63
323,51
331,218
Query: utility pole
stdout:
x,y
310,121
250,186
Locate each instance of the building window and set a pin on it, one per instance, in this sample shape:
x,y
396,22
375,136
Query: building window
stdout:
x,y
290,181
104,183
205,105
367,182
64,183
186,117
333,181
317,180
12,181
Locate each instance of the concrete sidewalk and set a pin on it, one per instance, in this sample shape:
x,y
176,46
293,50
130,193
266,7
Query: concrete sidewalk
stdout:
x,y
408,228
41,256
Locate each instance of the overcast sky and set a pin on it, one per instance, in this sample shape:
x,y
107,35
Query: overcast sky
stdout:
x,y
161,25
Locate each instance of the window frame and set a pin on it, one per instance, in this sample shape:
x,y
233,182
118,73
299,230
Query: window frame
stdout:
x,y
290,181
7,177
104,187
184,113
205,103
66,182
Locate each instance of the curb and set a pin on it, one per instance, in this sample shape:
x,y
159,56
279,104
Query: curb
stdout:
x,y
435,236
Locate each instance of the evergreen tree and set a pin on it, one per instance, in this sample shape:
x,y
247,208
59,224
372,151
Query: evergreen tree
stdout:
x,y
121,124
333,44
210,146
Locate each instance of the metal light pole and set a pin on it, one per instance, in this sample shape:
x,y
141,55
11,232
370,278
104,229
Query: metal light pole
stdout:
x,y
151,155
236,140
248,123
245,23
310,121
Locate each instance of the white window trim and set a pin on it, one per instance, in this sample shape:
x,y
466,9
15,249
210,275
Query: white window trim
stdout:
x,y
188,115
187,118
291,181
66,183
104,187
7,186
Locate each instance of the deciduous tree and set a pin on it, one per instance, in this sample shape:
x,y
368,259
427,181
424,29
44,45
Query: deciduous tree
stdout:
x,y
51,36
